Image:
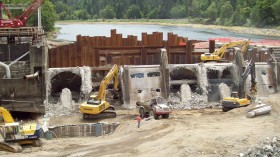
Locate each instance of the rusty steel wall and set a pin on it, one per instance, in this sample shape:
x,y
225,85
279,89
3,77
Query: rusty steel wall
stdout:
x,y
99,50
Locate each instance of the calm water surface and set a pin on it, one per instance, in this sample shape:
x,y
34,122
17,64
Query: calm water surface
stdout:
x,y
70,31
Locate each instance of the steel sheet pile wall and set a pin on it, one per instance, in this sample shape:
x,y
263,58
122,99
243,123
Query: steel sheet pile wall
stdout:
x,y
82,130
99,50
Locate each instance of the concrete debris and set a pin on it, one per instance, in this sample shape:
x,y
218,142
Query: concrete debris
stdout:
x,y
186,93
197,101
66,106
266,148
202,78
224,91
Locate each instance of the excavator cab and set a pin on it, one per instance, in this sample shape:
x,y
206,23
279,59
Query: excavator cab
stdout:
x,y
92,100
234,94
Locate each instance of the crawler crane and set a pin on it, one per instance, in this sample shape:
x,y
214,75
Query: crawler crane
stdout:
x,y
22,19
96,106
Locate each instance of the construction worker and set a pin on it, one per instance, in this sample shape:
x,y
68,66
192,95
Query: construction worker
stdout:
x,y
138,118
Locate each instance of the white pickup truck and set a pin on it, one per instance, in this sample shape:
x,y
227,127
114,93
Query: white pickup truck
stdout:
x,y
155,107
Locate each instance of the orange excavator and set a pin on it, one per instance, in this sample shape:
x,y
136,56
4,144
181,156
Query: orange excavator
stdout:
x,y
22,19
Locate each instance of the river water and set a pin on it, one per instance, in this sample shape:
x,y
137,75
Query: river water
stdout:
x,y
70,31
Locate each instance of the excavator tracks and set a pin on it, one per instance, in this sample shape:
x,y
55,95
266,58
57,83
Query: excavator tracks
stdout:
x,y
10,147
104,114
15,147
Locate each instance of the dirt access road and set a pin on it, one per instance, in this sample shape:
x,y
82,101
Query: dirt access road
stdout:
x,y
203,133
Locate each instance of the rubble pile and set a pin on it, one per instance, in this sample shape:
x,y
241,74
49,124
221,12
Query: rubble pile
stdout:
x,y
266,148
197,101
66,106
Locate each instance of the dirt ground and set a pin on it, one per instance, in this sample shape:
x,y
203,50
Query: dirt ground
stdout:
x,y
203,133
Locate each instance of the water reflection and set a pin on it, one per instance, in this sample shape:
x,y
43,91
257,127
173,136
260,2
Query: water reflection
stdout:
x,y
70,31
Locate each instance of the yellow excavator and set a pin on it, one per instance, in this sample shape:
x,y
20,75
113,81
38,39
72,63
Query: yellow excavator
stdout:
x,y
217,56
96,106
15,134
240,99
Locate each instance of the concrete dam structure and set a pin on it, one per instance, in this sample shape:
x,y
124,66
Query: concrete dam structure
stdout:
x,y
35,78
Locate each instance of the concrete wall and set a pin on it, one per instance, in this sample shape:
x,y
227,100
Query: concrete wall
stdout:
x,y
19,94
139,84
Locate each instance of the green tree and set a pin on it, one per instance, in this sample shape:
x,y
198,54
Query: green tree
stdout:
x,y
48,14
107,13
82,14
262,13
194,9
240,16
226,12
178,12
276,11
211,12
133,12
154,14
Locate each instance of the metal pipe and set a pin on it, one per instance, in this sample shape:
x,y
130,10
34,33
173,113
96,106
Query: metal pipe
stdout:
x,y
13,62
31,75
7,68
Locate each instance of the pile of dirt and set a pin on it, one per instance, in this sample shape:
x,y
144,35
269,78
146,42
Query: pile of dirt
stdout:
x,y
273,100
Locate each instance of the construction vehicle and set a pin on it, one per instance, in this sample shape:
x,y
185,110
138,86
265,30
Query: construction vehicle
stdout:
x,y
96,106
21,20
155,107
240,99
16,134
217,56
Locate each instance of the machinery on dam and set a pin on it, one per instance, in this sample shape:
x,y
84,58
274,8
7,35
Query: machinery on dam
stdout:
x,y
218,54
16,134
21,20
240,99
97,106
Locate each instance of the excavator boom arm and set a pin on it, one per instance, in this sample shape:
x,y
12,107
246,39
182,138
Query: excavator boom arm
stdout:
x,y
250,69
6,115
112,74
220,52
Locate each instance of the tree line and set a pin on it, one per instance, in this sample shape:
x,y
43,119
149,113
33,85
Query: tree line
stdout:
x,y
259,13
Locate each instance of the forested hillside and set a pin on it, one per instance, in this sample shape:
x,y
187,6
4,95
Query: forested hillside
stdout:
x,y
258,13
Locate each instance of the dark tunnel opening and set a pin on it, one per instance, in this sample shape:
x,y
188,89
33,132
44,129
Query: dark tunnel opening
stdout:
x,y
66,80
183,74
226,74
212,74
